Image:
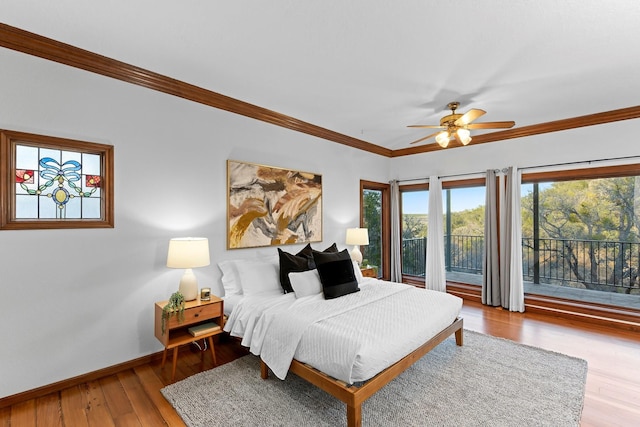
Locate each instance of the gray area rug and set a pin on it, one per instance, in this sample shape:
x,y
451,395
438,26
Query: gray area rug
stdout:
x,y
487,382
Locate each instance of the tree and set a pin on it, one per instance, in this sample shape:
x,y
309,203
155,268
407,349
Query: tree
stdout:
x,y
372,213
591,220
414,226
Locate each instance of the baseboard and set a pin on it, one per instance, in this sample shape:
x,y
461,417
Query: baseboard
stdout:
x,y
80,379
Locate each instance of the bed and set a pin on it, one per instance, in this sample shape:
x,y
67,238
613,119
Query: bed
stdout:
x,y
351,345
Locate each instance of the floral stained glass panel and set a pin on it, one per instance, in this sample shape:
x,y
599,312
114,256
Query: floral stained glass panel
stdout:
x,y
56,184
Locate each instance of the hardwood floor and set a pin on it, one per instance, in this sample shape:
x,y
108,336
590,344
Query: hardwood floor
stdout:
x,y
132,397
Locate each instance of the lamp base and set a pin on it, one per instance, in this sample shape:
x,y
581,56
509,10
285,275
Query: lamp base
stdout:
x,y
356,255
188,285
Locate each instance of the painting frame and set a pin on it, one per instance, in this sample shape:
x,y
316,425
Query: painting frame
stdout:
x,y
272,206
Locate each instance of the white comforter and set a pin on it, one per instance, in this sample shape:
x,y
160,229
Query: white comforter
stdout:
x,y
351,338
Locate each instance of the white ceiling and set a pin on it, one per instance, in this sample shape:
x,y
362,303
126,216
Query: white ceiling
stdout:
x,y
369,68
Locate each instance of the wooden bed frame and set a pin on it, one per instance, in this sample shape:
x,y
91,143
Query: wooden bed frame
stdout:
x,y
354,396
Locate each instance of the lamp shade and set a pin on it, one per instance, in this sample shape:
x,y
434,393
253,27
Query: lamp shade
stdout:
x,y
442,139
188,252
357,236
464,135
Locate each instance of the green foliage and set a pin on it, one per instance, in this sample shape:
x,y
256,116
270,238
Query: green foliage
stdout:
x,y
372,215
596,209
469,222
175,306
414,226
593,220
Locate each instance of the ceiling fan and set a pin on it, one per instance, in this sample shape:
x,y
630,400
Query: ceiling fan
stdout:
x,y
456,126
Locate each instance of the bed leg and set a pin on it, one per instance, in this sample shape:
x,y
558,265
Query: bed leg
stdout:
x,y
354,416
459,339
264,370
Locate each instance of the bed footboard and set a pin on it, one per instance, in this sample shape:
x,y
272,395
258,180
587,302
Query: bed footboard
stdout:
x,y
354,396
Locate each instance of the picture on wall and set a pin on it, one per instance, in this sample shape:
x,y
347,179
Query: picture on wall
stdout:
x,y
269,206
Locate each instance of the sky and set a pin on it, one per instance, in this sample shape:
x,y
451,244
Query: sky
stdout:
x,y
417,202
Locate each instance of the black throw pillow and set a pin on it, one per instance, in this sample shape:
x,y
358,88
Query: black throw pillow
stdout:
x,y
336,273
307,252
290,264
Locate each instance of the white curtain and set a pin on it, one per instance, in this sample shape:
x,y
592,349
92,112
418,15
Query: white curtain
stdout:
x,y
396,237
491,265
435,273
511,282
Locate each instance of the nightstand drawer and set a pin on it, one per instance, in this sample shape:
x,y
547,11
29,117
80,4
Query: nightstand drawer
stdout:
x,y
196,314
369,272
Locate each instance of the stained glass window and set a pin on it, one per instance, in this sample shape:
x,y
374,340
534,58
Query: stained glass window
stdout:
x,y
56,183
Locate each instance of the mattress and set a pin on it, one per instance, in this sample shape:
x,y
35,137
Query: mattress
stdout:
x,y
351,338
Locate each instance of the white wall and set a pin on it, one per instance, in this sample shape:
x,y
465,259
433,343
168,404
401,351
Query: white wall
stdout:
x,y
75,301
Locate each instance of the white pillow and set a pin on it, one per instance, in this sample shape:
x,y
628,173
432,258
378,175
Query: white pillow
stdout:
x,y
230,277
259,276
306,283
357,272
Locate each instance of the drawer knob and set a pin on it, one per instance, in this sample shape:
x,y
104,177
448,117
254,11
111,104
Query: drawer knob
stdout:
x,y
197,314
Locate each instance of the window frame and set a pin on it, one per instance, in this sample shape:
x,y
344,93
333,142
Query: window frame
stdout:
x,y
10,139
583,173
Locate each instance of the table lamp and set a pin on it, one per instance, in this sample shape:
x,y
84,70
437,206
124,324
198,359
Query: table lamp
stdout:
x,y
357,237
188,253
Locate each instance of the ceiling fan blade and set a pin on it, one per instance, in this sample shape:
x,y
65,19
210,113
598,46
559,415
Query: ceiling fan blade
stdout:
x,y
427,126
492,125
469,116
426,137
457,137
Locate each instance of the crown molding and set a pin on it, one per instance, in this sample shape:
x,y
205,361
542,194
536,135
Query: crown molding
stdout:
x,y
43,47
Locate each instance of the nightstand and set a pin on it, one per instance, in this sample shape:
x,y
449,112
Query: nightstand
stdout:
x,y
196,313
369,272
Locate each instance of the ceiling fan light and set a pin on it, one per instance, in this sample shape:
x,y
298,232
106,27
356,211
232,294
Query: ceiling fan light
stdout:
x,y
464,135
443,139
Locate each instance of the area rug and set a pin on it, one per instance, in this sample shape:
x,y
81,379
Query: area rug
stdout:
x,y
487,382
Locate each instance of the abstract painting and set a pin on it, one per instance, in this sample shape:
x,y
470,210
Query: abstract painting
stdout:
x,y
269,206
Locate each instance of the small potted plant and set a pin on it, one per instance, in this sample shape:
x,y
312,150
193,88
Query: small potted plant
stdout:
x,y
175,306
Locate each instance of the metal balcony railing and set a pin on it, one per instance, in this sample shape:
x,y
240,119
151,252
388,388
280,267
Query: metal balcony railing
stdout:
x,y
610,266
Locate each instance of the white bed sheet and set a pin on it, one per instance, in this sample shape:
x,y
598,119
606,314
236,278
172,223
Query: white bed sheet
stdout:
x,y
230,302
349,344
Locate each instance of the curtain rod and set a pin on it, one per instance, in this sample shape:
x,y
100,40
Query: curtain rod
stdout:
x,y
504,170
582,162
451,176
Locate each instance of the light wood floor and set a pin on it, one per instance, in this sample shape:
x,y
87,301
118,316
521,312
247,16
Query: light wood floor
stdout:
x,y
132,397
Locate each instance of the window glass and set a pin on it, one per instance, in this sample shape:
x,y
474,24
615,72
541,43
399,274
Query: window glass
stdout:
x,y
463,221
464,210
57,182
372,220
415,209
580,238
